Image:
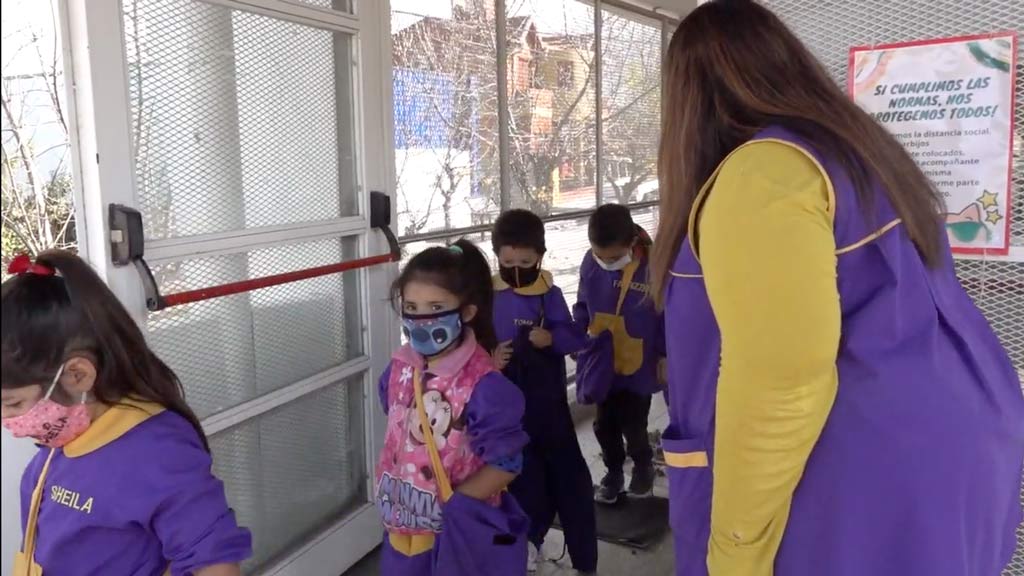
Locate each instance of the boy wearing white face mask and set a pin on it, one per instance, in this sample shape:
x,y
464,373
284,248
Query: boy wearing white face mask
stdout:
x,y
613,296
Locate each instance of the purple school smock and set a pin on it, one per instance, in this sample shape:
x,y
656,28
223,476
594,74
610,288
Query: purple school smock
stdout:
x,y
513,310
599,292
555,479
132,494
918,469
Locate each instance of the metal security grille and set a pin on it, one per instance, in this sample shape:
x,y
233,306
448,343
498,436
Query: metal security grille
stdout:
x,y
245,123
998,289
277,489
831,27
233,349
239,120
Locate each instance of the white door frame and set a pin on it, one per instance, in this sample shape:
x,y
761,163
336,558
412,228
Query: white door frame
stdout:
x,y
96,64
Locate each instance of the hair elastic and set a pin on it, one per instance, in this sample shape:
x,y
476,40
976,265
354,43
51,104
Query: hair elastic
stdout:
x,y
22,264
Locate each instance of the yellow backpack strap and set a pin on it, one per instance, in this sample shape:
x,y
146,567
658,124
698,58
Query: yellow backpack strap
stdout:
x,y
627,279
29,545
443,483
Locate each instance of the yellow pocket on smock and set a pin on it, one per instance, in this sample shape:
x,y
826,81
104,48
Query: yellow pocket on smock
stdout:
x,y
629,351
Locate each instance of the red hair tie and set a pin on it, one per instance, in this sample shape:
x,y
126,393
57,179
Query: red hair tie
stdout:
x,y
23,264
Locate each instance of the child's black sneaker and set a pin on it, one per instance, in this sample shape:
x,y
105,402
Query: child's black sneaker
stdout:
x,y
611,488
642,482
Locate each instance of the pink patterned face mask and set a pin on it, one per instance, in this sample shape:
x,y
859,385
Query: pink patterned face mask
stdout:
x,y
49,423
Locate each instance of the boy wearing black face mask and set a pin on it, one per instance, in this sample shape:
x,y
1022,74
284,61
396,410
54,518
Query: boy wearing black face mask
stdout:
x,y
535,333
613,297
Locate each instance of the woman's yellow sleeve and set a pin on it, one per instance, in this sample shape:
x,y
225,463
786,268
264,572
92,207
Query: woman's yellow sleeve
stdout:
x,y
768,255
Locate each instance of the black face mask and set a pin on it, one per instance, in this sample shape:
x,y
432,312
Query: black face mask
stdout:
x,y
519,277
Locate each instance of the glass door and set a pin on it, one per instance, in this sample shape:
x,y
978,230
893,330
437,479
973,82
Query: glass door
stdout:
x,y
248,135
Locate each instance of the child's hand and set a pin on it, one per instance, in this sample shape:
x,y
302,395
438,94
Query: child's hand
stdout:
x,y
663,372
502,355
540,338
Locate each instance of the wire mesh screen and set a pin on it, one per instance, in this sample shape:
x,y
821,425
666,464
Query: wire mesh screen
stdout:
x,y
239,120
278,490
234,349
830,28
230,350
998,289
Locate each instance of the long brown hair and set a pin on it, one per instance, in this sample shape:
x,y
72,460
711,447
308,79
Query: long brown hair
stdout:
x,y
49,317
732,69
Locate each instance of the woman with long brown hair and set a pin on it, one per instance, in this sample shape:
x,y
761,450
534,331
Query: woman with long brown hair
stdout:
x,y
838,404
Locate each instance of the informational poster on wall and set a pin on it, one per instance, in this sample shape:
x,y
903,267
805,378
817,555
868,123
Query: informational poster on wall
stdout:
x,y
950,103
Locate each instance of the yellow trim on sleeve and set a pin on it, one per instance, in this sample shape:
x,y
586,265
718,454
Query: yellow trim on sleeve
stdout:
x,y
702,195
114,423
686,459
869,238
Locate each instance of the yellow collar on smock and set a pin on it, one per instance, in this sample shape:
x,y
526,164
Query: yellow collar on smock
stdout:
x,y
114,423
539,288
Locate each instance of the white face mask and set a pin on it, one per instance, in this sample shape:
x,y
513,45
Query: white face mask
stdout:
x,y
617,265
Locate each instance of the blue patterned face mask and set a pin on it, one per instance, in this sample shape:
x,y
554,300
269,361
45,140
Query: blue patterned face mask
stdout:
x,y
432,334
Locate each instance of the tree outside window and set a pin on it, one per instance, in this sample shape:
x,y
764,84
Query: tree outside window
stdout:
x,y
37,193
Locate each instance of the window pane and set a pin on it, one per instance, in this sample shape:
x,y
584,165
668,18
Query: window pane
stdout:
x,y
278,489
631,98
551,80
239,120
37,195
445,109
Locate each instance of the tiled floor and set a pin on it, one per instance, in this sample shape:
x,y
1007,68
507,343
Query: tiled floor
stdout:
x,y
613,560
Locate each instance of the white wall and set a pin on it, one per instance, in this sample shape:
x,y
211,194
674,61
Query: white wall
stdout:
x,y
16,454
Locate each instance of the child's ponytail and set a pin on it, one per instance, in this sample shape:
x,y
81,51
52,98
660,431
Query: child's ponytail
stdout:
x,y
66,309
477,272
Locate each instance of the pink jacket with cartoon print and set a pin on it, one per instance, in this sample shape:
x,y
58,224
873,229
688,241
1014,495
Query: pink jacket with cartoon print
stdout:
x,y
475,414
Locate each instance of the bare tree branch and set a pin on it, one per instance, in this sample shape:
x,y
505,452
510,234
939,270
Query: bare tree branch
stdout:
x,y
37,205
28,161
50,68
13,227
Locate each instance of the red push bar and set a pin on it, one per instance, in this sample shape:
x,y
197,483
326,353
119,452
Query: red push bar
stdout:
x,y
127,247
201,294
